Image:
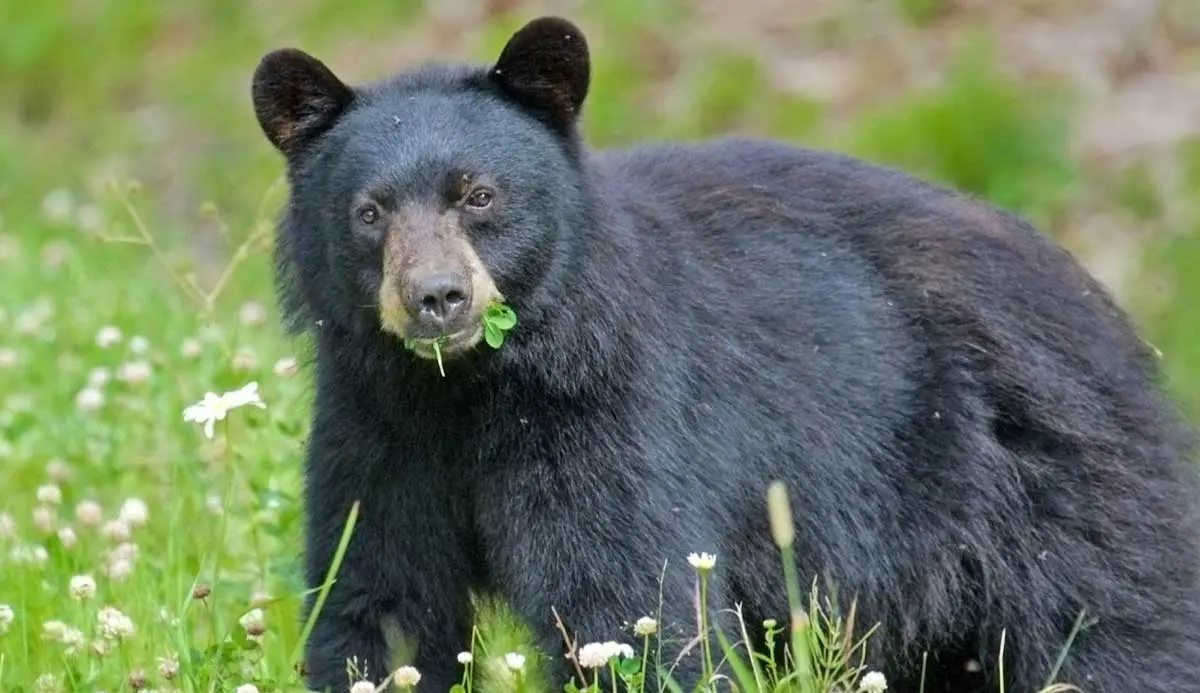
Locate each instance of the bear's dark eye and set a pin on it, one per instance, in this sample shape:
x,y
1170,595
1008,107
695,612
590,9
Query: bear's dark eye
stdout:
x,y
480,198
368,215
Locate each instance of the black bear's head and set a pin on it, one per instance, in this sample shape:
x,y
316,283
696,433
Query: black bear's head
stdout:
x,y
417,201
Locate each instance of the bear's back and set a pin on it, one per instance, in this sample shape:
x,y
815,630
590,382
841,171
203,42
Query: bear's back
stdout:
x,y
745,208
893,268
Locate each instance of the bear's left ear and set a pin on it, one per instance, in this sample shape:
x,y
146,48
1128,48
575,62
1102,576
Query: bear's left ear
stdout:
x,y
296,98
545,67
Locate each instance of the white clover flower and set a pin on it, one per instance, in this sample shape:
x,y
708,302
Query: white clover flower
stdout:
x,y
247,688
124,550
98,377
592,655
53,630
465,658
595,655
872,682
363,686
190,349
89,513
252,619
108,336
43,519
134,372
118,569
138,344
114,625
58,205
73,640
252,313
406,677
168,666
89,218
46,683
7,616
702,561
67,537
645,627
33,318
89,399
55,253
214,407
57,470
83,588
50,494
137,681
244,360
515,661
286,367
118,530
133,512
26,553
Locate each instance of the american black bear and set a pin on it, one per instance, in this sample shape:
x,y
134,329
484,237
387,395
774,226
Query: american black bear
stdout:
x,y
972,431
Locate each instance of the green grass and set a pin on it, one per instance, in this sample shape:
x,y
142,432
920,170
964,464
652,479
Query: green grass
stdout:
x,y
223,513
159,92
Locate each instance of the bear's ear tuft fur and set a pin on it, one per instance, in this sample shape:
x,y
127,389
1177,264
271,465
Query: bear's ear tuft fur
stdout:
x,y
545,67
296,98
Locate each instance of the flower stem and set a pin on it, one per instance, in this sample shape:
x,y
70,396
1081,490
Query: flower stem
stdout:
x,y
704,641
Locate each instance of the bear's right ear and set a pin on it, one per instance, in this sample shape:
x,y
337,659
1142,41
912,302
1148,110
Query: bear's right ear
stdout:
x,y
545,67
296,97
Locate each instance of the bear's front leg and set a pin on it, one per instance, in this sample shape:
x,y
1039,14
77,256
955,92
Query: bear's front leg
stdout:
x,y
597,551
370,602
345,645
405,573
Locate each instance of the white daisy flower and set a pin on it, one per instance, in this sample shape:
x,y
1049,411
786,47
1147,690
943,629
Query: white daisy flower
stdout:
x,y
214,407
702,561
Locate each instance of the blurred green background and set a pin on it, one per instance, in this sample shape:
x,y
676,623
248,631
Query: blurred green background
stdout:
x,y
1082,114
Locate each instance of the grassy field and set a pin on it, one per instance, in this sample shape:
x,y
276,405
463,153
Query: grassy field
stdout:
x,y
136,203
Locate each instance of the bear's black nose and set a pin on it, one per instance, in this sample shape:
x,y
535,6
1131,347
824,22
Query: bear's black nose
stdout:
x,y
438,298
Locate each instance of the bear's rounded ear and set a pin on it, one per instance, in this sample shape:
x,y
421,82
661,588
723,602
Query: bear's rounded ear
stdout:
x,y
545,67
296,97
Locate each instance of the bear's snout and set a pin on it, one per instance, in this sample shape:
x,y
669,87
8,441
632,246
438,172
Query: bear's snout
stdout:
x,y
438,299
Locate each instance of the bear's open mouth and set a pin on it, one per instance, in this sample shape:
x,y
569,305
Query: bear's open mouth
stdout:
x,y
448,345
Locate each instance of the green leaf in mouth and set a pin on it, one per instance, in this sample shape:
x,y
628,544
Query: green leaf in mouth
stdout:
x,y
498,319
